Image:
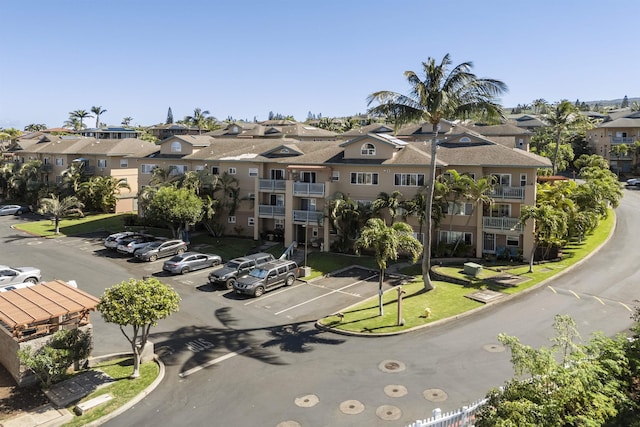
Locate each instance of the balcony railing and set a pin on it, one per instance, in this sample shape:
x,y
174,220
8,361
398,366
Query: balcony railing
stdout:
x,y
272,185
623,139
505,192
501,223
307,217
308,189
270,211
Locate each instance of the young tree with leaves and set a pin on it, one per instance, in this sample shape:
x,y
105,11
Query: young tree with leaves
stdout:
x,y
139,304
176,207
387,242
60,208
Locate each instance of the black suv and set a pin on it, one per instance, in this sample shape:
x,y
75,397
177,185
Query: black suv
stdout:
x,y
266,277
237,267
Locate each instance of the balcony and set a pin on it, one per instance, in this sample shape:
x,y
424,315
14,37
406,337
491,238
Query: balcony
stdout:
x,y
306,189
47,167
501,223
622,139
308,217
272,185
270,211
506,192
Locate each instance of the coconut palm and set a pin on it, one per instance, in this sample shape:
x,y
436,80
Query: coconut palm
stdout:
x,y
100,192
98,111
549,228
441,93
80,115
344,216
72,177
60,208
199,119
25,183
560,118
391,202
387,242
126,121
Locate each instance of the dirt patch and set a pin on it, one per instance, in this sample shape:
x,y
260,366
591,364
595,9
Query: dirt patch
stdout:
x,y
15,400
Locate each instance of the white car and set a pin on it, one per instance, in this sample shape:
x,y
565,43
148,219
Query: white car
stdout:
x,y
18,275
635,182
12,209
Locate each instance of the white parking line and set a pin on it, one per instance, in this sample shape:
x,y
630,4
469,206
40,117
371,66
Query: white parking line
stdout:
x,y
212,362
273,294
324,295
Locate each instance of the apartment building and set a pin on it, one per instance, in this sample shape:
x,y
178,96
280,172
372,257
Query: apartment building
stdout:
x,y
615,130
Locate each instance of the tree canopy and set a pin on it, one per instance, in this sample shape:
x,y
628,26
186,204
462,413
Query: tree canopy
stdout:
x,y
176,207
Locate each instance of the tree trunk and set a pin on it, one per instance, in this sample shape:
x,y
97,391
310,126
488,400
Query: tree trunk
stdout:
x,y
426,257
533,254
56,221
381,311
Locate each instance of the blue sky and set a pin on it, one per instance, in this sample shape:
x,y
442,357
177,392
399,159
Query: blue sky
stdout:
x,y
246,58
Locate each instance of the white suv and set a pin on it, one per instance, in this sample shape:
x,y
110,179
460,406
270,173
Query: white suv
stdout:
x,y
16,275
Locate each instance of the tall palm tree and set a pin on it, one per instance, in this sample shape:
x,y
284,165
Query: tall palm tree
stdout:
x,y
60,208
98,111
199,119
560,118
344,216
80,115
126,121
441,93
387,242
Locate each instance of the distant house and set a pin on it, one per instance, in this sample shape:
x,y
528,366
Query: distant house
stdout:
x,y
614,131
164,131
110,132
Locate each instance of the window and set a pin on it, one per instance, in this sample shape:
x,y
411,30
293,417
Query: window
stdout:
x,y
278,224
58,179
251,221
178,169
368,149
314,232
176,147
500,210
232,219
277,174
513,241
45,161
253,172
308,177
124,163
363,203
252,196
232,171
146,169
102,163
198,168
59,161
523,179
409,179
502,179
459,208
335,176
364,178
215,170
454,236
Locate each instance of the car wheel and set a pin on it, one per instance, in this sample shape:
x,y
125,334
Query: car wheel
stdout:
x,y
153,258
31,280
213,263
184,270
290,280
230,283
259,291
180,251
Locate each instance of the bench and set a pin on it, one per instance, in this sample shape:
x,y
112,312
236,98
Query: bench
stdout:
x,y
83,407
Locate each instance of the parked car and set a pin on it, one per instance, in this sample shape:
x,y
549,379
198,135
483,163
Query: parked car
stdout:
x,y
229,274
16,286
13,210
190,261
17,275
129,245
267,277
635,182
161,249
113,240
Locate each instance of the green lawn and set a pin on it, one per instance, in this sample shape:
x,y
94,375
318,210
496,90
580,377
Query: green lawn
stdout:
x,y
123,389
448,299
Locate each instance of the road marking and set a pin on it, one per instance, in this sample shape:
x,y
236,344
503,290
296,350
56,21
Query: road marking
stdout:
x,y
553,290
212,362
324,295
625,306
272,294
574,294
601,302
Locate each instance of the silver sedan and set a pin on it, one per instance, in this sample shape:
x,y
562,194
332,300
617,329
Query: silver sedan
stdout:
x,y
189,261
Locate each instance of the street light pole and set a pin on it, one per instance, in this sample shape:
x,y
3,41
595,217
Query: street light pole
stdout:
x,y
306,239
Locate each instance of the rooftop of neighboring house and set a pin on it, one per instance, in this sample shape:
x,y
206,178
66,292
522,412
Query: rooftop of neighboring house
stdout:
x,y
630,120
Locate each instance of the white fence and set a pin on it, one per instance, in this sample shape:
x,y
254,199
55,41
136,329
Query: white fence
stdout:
x,y
463,417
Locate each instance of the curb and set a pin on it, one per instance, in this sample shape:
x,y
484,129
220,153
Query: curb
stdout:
x,y
472,312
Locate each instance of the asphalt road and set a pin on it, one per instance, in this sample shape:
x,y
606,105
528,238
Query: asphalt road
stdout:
x,y
234,361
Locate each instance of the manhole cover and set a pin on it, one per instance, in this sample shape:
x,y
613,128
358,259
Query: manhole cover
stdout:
x,y
435,395
351,407
307,401
289,424
391,366
388,412
494,348
395,390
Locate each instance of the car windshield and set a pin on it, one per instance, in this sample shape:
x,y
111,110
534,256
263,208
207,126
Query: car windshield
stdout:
x,y
258,273
233,264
